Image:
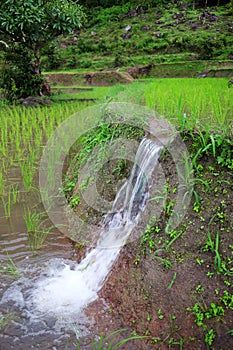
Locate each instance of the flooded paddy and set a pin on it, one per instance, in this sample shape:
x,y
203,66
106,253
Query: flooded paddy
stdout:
x,y
44,300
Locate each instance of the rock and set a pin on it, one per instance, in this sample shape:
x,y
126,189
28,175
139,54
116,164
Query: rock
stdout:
x,y
34,101
230,82
183,6
158,21
203,74
138,71
139,9
132,13
144,28
213,18
206,14
178,15
93,32
74,31
194,26
108,78
126,36
127,28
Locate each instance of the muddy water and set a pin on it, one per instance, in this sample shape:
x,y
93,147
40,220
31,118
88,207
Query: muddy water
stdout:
x,y
54,321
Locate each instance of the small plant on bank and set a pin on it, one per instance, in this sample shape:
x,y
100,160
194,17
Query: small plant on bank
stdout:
x,y
106,343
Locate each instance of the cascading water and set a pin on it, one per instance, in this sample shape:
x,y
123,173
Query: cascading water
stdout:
x,y
64,288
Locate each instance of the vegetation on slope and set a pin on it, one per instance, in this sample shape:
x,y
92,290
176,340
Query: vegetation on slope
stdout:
x,y
130,34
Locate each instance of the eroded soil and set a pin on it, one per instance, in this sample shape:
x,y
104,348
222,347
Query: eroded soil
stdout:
x,y
153,284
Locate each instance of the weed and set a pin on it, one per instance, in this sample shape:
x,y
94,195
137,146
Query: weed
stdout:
x,y
160,315
209,337
214,311
172,281
106,343
166,262
227,299
174,235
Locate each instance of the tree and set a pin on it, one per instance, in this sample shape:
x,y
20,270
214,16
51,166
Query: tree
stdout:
x,y
26,28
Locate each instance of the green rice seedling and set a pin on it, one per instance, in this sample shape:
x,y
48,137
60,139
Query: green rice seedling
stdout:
x,y
9,198
27,170
213,246
206,103
6,319
9,268
14,193
6,202
2,184
2,322
37,231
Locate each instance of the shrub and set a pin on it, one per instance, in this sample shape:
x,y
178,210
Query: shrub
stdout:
x,y
17,67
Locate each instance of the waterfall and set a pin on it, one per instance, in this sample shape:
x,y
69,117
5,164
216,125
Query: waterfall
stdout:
x,y
130,201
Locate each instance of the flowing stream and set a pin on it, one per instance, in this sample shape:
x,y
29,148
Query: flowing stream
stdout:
x,y
52,295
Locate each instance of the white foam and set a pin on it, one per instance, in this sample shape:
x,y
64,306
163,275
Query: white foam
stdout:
x,y
61,291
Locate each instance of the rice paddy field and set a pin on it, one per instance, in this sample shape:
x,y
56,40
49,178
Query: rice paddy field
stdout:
x,y
202,106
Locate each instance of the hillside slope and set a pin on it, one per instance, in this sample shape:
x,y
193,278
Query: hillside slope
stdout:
x,y
121,36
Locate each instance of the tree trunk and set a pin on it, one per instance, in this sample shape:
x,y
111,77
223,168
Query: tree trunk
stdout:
x,y
44,89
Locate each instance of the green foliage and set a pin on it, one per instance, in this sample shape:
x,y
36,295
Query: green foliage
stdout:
x,y
167,38
220,146
230,6
209,337
104,134
38,23
27,28
17,67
